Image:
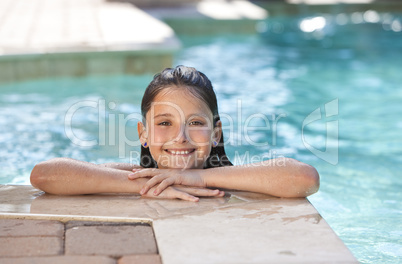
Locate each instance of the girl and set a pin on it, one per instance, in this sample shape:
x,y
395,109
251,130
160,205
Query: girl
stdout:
x,y
182,153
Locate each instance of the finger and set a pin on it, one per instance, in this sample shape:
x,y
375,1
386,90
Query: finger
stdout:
x,y
142,173
137,174
163,185
187,197
201,191
152,182
175,194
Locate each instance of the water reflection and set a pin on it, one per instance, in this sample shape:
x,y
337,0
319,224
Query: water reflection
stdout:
x,y
358,29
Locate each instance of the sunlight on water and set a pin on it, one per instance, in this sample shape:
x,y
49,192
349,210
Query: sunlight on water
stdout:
x,y
33,120
361,195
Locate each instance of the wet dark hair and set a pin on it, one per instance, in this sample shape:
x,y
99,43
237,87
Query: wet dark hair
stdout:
x,y
198,85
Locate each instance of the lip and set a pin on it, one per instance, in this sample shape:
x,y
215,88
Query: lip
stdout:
x,y
181,152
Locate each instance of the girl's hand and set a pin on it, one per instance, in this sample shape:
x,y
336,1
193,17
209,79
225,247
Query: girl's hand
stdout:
x,y
167,177
184,193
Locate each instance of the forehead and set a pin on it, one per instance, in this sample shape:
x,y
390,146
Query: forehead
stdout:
x,y
175,100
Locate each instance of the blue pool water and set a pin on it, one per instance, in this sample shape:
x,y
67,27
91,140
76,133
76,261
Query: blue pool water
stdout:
x,y
330,102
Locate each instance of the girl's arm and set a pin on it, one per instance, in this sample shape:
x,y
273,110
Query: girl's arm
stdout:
x,y
282,177
121,166
68,177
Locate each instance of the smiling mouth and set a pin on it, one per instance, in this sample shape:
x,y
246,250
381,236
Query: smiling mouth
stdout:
x,y
179,151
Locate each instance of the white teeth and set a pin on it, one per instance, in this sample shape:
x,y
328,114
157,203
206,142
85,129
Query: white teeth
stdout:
x,y
183,152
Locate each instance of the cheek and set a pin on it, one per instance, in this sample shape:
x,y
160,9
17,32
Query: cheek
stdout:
x,y
161,135
200,136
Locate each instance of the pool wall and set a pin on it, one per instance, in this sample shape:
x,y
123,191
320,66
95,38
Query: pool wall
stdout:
x,y
16,68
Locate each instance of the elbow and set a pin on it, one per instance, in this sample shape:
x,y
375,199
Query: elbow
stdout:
x,y
43,174
309,181
38,175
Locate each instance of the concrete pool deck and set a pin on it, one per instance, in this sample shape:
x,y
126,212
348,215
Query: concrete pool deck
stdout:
x,y
72,38
241,227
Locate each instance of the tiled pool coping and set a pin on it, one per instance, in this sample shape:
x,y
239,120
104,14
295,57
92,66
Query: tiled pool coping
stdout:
x,y
52,241
242,227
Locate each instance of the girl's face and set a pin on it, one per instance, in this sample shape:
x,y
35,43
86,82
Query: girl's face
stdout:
x,y
179,130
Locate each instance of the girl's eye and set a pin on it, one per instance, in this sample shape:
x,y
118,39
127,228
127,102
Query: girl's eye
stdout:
x,y
196,123
164,123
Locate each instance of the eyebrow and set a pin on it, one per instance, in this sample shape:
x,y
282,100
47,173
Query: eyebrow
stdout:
x,y
163,115
170,115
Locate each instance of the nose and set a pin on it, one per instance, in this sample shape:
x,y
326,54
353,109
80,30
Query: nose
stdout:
x,y
182,135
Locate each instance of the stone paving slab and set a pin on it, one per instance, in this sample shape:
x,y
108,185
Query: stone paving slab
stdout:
x,y
60,260
30,246
113,241
140,259
19,227
46,241
20,237
266,231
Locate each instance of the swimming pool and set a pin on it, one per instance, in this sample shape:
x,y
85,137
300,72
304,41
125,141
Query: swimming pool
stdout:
x,y
273,86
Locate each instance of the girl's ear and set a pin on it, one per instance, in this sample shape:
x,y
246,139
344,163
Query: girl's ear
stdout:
x,y
216,137
142,134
